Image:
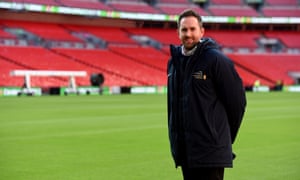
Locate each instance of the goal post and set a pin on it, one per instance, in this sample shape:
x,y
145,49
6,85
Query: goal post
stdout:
x,y
27,74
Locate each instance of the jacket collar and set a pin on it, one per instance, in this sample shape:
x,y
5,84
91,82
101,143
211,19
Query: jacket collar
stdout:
x,y
186,52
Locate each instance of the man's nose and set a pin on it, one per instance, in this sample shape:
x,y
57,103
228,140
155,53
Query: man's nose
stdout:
x,y
188,33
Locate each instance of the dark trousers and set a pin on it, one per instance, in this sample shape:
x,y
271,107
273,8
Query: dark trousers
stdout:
x,y
212,173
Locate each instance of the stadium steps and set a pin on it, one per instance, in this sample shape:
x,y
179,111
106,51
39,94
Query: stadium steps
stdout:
x,y
248,73
177,8
111,77
164,36
132,6
37,58
233,10
8,64
47,31
43,2
281,11
88,4
147,56
125,71
246,39
279,8
110,35
270,67
290,39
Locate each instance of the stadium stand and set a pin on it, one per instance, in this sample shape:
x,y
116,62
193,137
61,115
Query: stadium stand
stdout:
x,y
247,39
176,8
174,1
111,35
267,67
226,2
4,34
46,31
282,3
277,8
281,11
233,10
131,56
48,2
5,78
117,65
132,6
289,39
163,36
88,4
144,55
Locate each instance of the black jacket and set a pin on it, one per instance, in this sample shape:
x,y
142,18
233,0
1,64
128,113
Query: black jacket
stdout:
x,y
206,103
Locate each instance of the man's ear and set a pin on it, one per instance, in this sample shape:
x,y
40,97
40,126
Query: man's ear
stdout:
x,y
202,30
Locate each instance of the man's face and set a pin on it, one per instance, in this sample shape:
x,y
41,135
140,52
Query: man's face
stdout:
x,y
190,32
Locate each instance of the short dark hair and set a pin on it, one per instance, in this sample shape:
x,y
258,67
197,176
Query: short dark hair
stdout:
x,y
188,13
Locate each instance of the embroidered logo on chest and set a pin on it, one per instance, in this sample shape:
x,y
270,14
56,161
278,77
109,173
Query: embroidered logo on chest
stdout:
x,y
199,75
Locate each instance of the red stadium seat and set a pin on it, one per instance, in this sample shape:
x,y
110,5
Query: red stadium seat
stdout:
x,y
138,6
281,11
175,9
268,67
233,10
47,31
289,39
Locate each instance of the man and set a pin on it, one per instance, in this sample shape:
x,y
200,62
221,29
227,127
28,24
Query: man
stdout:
x,y
206,103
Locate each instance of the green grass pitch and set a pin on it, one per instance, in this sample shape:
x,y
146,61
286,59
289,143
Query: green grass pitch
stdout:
x,y
115,137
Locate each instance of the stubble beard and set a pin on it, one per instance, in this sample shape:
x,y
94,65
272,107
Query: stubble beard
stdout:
x,y
188,46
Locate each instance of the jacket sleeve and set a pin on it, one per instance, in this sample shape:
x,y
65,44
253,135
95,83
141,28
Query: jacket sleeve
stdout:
x,y
231,92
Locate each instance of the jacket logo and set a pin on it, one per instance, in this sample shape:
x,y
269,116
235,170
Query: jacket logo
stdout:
x,y
199,75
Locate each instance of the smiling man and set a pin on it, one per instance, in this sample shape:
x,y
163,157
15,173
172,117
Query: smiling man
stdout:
x,y
206,103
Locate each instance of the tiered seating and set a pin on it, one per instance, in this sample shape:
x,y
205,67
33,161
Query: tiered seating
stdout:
x,y
246,39
226,2
132,6
278,8
37,58
48,2
281,11
123,71
269,67
47,31
111,35
174,1
232,10
88,4
126,63
281,2
177,8
17,81
248,77
289,39
145,55
5,78
224,38
93,65
4,34
164,36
